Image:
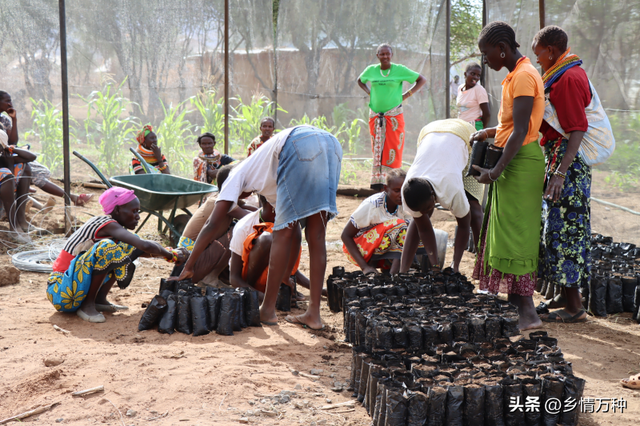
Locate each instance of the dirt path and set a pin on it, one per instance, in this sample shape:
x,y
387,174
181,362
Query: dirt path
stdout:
x,y
250,377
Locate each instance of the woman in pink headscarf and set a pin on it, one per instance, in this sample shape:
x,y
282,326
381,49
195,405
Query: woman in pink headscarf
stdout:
x,y
100,254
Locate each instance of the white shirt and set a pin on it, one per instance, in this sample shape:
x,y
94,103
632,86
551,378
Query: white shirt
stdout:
x,y
258,173
468,102
440,159
372,211
242,230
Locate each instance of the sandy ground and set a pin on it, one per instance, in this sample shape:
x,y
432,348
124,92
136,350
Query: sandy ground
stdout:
x,y
156,379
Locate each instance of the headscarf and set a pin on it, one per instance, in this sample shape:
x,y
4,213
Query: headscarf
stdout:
x,y
115,196
143,133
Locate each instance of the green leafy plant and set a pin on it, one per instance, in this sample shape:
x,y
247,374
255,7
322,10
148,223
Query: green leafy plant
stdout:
x,y
245,125
623,163
176,138
108,127
211,110
47,127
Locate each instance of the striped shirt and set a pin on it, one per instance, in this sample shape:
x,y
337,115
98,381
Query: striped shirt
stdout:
x,y
87,232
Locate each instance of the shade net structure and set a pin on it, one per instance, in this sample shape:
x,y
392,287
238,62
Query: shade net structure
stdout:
x,y
604,35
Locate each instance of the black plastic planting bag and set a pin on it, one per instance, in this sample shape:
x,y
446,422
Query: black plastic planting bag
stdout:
x,y
476,329
533,391
552,387
396,407
184,315
167,285
473,409
153,313
512,393
510,325
445,333
213,302
400,339
460,331
437,404
493,403
455,398
477,157
364,378
358,371
167,322
241,311
573,389
628,293
598,296
380,411
225,318
384,336
493,328
283,303
414,335
636,304
614,296
252,308
417,409
199,314
236,317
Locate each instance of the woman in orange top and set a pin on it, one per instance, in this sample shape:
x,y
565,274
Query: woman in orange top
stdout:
x,y
509,245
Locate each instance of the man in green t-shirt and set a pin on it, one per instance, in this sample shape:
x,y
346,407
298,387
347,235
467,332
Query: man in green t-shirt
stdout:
x,y
386,121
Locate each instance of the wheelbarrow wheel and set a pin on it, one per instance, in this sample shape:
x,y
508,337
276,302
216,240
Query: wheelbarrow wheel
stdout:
x,y
179,223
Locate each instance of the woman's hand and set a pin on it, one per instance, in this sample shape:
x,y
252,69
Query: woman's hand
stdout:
x,y
369,270
478,136
183,255
486,175
184,275
554,188
156,152
12,113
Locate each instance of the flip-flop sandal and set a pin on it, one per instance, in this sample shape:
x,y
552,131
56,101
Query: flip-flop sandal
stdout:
x,y
632,382
90,318
110,307
295,320
561,316
542,308
83,199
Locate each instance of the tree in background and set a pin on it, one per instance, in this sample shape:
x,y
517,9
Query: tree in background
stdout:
x,y
466,24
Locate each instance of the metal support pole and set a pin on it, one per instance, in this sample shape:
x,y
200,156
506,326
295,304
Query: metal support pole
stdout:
x,y
542,13
447,61
226,76
484,24
65,114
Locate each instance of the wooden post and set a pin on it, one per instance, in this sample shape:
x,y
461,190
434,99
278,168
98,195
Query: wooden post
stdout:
x,y
542,13
65,114
226,76
447,61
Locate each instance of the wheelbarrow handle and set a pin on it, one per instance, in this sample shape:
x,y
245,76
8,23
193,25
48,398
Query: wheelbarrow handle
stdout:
x,y
144,164
94,167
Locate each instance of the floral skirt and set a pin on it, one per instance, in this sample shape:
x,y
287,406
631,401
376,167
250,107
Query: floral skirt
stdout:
x,y
386,238
66,291
565,247
387,143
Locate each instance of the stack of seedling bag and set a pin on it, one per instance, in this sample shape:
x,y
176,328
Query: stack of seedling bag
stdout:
x,y
615,284
427,351
181,306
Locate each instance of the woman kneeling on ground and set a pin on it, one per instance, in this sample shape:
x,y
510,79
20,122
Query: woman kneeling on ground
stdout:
x,y
99,254
374,236
250,250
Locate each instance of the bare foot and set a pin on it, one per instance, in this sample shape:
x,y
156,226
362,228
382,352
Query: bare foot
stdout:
x,y
530,326
310,321
268,317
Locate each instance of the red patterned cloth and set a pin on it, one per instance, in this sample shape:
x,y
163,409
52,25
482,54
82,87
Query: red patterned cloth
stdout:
x,y
496,282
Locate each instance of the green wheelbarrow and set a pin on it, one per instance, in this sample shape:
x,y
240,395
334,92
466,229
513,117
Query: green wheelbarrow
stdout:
x,y
158,193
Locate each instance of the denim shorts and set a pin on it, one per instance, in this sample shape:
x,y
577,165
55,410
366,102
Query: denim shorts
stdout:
x,y
308,175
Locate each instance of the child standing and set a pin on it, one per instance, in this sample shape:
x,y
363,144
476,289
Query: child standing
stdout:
x,y
300,169
209,160
378,227
150,152
436,176
99,254
267,126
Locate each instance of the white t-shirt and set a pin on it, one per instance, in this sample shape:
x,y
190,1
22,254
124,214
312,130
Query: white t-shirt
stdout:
x,y
258,173
468,102
372,211
242,230
440,159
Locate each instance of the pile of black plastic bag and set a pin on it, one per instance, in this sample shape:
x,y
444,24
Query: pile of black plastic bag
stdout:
x,y
181,306
427,351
